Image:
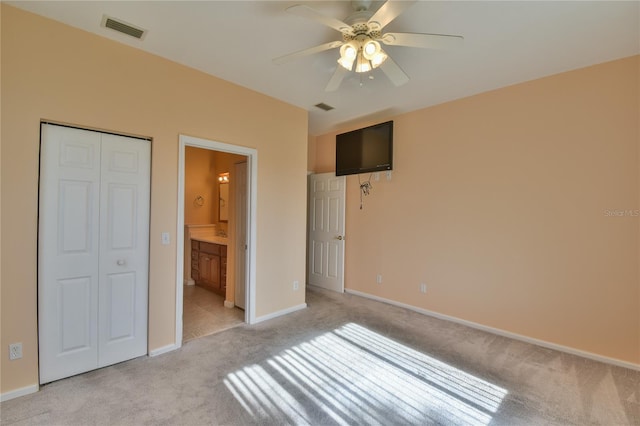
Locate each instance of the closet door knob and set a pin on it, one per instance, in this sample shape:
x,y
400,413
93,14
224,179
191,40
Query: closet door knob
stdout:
x,y
120,262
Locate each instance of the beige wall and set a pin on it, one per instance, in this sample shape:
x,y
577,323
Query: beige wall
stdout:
x,y
499,203
200,180
54,72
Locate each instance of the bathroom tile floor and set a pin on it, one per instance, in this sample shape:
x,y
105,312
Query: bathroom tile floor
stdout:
x,y
204,313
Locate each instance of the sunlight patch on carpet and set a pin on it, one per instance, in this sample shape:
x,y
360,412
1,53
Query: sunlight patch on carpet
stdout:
x,y
353,374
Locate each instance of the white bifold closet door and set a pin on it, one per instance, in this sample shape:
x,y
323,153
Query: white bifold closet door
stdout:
x,y
93,250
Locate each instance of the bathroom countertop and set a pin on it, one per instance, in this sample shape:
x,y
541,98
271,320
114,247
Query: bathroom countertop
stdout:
x,y
212,239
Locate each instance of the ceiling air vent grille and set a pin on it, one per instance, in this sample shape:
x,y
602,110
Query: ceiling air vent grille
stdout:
x,y
122,27
324,106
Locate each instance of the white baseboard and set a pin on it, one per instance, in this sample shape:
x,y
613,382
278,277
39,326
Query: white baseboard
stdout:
x,y
164,350
19,392
228,304
515,336
189,281
280,313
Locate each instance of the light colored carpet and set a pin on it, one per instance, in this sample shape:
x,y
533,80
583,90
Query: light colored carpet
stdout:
x,y
344,360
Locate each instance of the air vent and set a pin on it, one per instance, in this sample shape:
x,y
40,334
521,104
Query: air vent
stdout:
x,y
122,27
324,106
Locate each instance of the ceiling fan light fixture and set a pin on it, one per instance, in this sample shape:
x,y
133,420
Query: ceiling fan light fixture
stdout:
x,y
378,59
363,64
366,54
348,54
370,49
346,63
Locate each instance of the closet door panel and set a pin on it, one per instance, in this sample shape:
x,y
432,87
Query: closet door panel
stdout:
x,y
124,247
68,251
121,302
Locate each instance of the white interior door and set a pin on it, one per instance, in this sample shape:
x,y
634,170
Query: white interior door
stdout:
x,y
68,254
94,211
240,177
326,231
124,249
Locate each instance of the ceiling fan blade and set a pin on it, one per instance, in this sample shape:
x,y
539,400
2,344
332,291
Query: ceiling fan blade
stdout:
x,y
307,12
336,79
387,13
394,72
310,51
426,41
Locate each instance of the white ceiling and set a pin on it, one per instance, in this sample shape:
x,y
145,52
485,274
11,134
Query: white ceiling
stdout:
x,y
505,43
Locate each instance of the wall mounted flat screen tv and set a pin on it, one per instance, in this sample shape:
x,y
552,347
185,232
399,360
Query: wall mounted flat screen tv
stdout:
x,y
365,150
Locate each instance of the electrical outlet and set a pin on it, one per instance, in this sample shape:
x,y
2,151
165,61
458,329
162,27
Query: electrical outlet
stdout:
x,y
15,351
423,287
379,279
296,285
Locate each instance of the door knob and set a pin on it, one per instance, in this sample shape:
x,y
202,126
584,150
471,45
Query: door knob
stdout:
x,y
339,237
120,262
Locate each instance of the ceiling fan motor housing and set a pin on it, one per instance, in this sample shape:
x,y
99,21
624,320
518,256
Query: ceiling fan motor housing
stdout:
x,y
358,19
361,30
362,36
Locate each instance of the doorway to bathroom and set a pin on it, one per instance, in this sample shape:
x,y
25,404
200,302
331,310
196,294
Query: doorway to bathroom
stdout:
x,y
215,280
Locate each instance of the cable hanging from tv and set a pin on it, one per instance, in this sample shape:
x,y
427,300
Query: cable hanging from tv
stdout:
x,y
365,189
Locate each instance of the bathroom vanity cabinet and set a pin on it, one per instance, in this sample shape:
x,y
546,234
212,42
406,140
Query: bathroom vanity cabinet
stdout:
x,y
209,266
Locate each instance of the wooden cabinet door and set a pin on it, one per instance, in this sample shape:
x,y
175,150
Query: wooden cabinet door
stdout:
x,y
209,268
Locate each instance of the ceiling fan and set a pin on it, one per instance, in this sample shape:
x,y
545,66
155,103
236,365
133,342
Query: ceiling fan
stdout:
x,y
361,38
